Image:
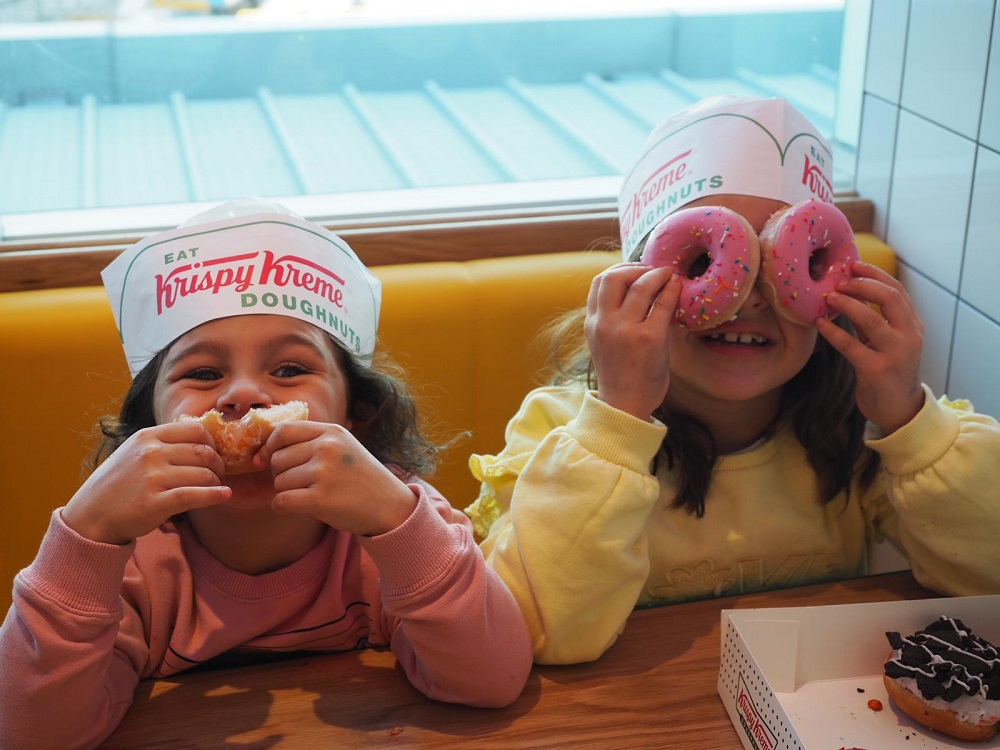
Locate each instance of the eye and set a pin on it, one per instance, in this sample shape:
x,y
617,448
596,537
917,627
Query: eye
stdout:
x,y
289,370
201,373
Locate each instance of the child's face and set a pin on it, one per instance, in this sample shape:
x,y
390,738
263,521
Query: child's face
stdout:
x,y
704,364
233,364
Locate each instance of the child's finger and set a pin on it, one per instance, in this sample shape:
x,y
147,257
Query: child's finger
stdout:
x,y
609,289
665,305
644,292
871,327
153,450
184,432
284,435
186,498
853,350
189,443
893,301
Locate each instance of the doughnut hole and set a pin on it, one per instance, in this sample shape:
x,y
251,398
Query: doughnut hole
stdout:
x,y
698,265
818,263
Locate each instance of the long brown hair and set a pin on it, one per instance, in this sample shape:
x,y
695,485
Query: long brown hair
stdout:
x,y
381,407
819,404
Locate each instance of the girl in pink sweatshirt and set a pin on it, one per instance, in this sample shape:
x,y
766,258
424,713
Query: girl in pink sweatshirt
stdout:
x,y
162,561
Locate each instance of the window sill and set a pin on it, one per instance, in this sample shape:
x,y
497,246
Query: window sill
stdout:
x,y
405,239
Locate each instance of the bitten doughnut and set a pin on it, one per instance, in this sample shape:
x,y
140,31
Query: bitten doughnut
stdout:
x,y
805,249
238,441
946,678
715,251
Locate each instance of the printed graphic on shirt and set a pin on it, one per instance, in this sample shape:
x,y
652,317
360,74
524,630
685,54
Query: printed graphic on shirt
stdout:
x,y
704,579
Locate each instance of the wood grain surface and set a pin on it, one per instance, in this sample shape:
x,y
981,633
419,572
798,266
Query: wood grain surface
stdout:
x,y
655,688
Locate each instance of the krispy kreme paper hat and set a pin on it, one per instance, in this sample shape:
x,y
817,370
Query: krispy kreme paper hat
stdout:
x,y
242,258
723,144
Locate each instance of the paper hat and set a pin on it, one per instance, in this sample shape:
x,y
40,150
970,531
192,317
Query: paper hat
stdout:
x,y
241,258
724,144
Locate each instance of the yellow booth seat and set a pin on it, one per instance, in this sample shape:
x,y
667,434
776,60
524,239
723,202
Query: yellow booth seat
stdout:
x,y
462,330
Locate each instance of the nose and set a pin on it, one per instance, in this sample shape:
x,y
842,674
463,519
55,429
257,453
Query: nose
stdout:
x,y
756,300
241,394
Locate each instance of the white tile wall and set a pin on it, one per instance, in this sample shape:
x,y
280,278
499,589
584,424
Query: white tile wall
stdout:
x,y
886,48
936,309
981,270
929,197
989,129
876,149
934,67
976,361
945,66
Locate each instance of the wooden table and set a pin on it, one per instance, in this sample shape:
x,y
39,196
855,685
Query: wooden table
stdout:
x,y
656,688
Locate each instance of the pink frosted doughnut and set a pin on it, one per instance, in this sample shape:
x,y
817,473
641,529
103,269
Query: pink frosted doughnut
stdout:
x,y
716,253
805,249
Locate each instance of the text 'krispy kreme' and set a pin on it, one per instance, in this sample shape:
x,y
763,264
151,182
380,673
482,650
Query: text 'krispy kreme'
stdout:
x,y
815,180
757,730
241,272
658,182
291,270
210,276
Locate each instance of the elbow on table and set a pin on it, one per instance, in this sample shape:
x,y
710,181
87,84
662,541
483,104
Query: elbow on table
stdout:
x,y
563,651
496,691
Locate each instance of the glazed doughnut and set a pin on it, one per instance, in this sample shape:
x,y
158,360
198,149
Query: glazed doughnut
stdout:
x,y
715,251
806,249
238,441
946,678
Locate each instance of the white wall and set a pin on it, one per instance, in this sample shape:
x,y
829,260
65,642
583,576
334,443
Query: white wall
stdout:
x,y
929,158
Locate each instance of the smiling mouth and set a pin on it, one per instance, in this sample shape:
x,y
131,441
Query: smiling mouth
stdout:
x,y
744,339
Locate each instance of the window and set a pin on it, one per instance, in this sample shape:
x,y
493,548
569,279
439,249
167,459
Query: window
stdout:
x,y
128,116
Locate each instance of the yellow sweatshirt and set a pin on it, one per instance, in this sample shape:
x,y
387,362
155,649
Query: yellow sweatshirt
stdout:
x,y
582,531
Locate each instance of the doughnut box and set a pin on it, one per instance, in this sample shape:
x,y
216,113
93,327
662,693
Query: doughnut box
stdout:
x,y
801,678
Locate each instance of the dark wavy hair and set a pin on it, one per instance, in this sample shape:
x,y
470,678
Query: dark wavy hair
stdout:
x,y
819,403
381,407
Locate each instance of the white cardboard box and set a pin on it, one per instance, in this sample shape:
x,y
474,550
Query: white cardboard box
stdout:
x,y
800,678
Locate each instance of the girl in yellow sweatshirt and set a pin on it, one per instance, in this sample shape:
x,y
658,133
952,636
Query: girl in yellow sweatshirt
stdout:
x,y
669,463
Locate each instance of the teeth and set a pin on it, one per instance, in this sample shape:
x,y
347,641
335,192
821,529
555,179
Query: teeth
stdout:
x,y
738,338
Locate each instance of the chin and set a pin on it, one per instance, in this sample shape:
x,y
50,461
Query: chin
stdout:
x,y
251,490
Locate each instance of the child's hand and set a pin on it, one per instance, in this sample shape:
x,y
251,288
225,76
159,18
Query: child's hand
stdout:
x,y
322,470
156,473
629,311
886,354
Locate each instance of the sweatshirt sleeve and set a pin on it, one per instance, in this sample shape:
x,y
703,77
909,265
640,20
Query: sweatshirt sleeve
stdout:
x,y
454,627
940,501
565,505
70,653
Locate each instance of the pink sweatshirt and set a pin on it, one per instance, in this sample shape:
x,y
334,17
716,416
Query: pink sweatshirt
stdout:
x,y
89,620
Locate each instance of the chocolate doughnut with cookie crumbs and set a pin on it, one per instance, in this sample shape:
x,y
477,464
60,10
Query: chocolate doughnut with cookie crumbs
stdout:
x,y
946,678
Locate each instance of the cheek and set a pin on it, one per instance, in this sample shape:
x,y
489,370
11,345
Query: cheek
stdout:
x,y
683,350
168,404
803,340
158,405
342,410
328,405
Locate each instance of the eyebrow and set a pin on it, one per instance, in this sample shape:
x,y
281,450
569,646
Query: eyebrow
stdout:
x,y
219,347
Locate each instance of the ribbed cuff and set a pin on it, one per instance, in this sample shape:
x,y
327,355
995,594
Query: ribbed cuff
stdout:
x,y
419,550
79,573
616,436
920,442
